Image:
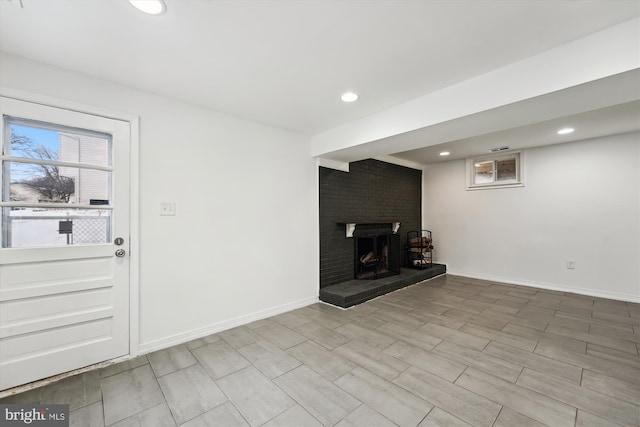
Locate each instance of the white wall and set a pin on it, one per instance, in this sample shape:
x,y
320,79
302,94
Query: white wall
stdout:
x,y
581,202
244,241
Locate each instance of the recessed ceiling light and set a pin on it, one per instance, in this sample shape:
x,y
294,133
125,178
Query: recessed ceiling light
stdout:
x,y
349,97
445,153
565,131
152,7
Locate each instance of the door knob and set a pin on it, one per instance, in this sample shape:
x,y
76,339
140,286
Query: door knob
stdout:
x,y
120,252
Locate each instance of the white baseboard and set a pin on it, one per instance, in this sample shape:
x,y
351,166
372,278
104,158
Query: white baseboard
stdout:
x,y
193,334
549,286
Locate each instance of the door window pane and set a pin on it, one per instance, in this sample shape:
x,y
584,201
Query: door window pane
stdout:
x,y
36,183
35,227
56,144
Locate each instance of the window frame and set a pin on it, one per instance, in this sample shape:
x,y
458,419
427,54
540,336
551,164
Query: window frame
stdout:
x,y
496,157
69,210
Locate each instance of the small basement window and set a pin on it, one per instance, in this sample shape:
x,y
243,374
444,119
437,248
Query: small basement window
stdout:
x,y
495,171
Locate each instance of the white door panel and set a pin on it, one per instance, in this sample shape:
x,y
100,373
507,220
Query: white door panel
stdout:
x,y
64,303
66,348
24,316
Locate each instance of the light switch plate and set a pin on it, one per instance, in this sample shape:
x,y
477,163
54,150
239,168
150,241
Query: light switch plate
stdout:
x,y
167,208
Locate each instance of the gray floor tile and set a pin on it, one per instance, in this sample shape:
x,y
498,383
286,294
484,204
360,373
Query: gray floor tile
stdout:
x,y
129,393
593,363
279,335
291,319
492,319
88,416
225,415
324,336
392,401
535,361
569,321
616,318
268,358
417,338
628,335
328,364
596,403
455,336
294,416
328,308
364,416
123,366
439,418
255,396
585,419
536,313
169,360
392,302
158,416
469,357
323,399
511,418
610,354
501,337
603,340
190,392
428,307
209,339
545,337
480,302
611,386
529,323
536,406
398,317
76,391
462,315
504,299
437,319
220,359
371,338
239,337
383,365
30,396
259,323
365,321
450,397
426,360
328,320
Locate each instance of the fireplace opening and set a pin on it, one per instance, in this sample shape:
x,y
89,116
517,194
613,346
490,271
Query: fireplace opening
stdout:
x,y
377,256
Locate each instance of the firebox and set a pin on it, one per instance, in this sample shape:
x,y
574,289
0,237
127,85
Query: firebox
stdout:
x,y
377,256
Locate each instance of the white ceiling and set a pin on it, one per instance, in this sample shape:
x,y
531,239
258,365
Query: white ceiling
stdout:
x,y
600,107
591,124
286,63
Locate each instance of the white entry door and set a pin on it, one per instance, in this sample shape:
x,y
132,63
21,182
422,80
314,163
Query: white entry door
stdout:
x,y
64,261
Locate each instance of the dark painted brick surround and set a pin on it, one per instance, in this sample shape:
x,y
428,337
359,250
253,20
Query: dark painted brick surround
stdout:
x,y
373,191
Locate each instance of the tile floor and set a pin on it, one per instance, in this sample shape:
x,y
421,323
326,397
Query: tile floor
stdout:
x,y
451,351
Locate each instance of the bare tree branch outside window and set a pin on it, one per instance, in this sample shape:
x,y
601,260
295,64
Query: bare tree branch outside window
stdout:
x,y
46,179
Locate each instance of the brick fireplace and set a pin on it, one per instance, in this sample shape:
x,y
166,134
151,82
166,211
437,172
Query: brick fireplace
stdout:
x,y
374,195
